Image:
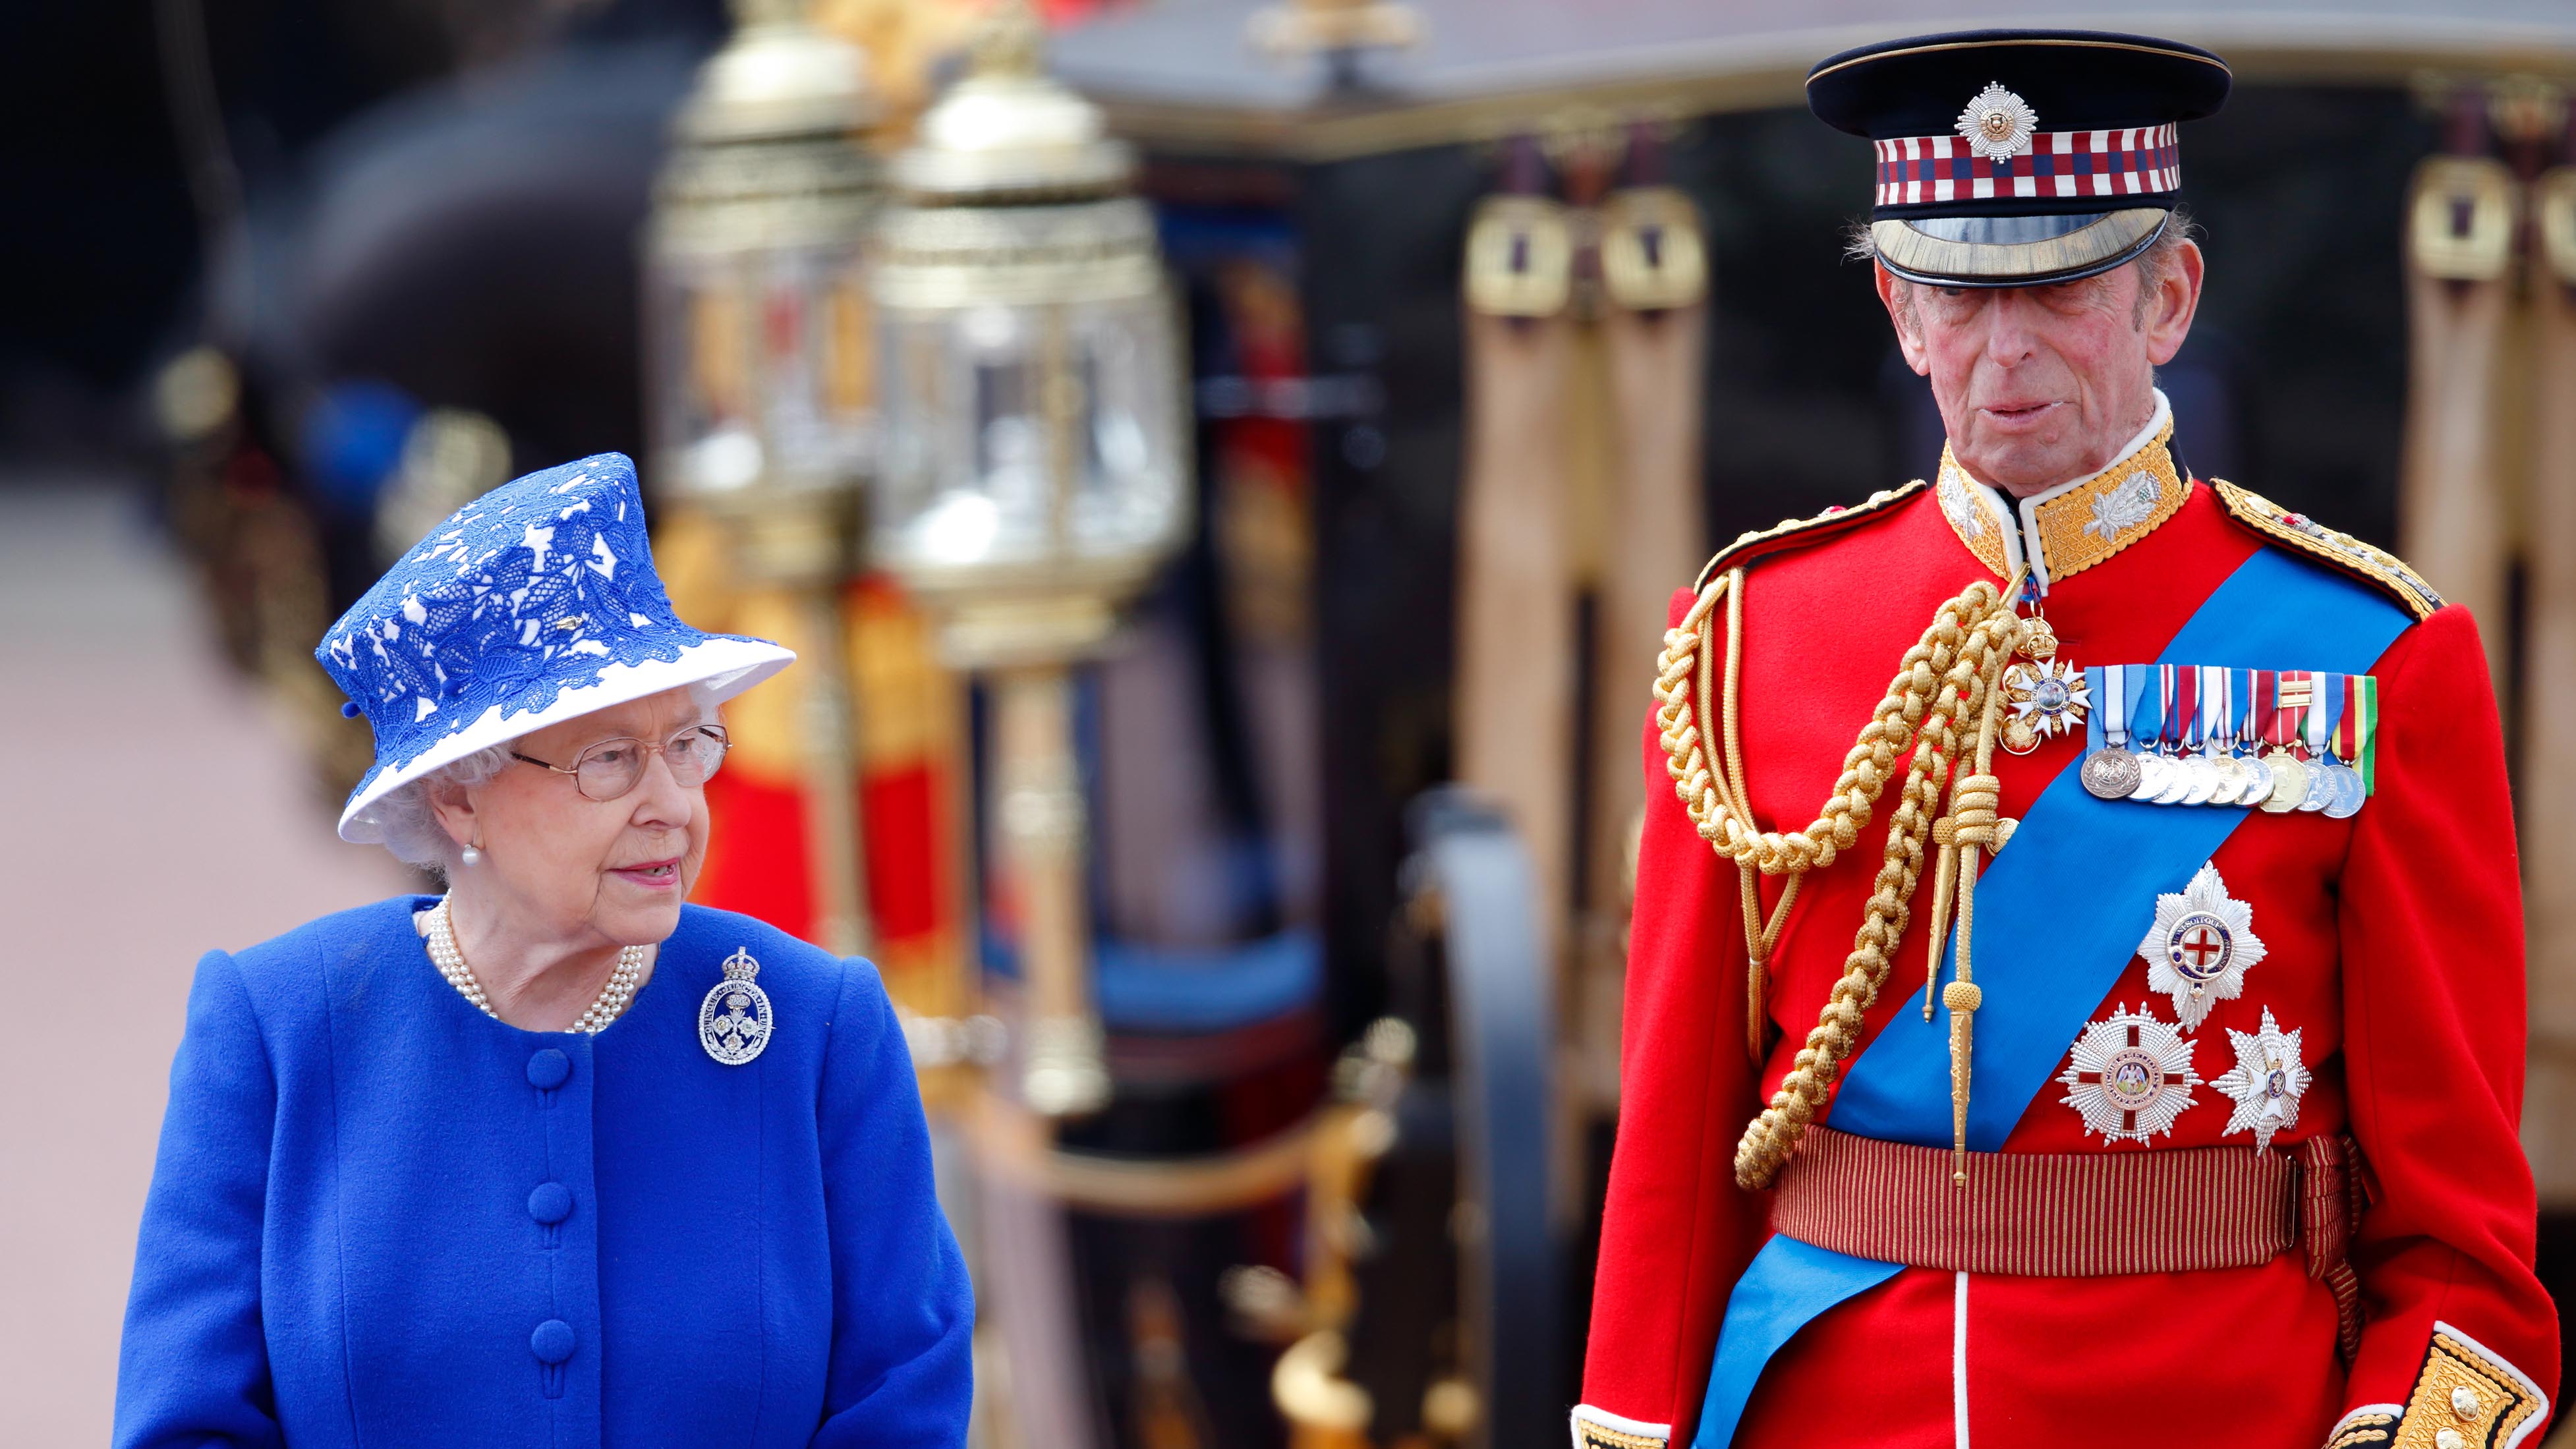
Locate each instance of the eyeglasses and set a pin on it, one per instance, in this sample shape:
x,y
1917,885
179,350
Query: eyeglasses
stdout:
x,y
610,768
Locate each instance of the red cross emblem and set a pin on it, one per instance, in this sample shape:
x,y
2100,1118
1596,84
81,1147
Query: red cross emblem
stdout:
x,y
2201,946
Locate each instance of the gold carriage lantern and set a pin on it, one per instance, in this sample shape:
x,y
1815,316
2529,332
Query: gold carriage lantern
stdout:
x,y
758,367
1033,469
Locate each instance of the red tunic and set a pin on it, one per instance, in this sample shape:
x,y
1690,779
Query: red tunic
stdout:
x,y
2395,946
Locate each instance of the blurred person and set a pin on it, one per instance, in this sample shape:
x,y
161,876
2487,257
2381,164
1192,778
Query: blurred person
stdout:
x,y
2203,1128
553,1158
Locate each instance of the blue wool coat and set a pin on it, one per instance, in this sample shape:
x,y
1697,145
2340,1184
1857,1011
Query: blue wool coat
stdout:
x,y
382,1218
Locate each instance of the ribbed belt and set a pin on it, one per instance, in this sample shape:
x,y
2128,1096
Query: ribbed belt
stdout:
x,y
2077,1215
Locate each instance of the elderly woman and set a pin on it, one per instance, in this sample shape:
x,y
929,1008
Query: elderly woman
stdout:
x,y
554,1159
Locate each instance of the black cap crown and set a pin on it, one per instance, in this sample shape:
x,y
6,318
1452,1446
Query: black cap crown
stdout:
x,y
2011,158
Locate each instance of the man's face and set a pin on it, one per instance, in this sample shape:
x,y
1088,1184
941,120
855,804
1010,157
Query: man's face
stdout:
x,y
2040,385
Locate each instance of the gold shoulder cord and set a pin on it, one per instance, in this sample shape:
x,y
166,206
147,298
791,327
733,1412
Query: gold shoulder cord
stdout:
x,y
1952,673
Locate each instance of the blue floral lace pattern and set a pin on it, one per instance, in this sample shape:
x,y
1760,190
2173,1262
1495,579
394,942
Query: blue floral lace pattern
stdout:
x,y
530,590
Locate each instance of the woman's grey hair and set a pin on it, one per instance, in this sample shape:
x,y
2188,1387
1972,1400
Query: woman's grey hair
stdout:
x,y
409,821
2151,263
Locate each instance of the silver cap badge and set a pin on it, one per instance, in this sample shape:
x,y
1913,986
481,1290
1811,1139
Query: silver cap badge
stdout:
x,y
1998,125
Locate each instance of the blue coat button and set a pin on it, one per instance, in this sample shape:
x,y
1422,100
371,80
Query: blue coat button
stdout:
x,y
548,1069
551,1203
552,1342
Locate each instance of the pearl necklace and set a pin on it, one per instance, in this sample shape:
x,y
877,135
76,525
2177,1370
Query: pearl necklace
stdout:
x,y
613,997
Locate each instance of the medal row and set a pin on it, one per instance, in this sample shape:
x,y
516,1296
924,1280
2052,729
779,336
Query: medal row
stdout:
x,y
2258,739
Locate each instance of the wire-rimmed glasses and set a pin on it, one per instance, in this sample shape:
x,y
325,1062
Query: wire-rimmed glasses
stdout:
x,y
608,769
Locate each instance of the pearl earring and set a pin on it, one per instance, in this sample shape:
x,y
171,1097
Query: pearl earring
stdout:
x,y
471,858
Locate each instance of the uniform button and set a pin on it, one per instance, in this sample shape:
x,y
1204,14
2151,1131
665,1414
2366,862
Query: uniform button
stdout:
x,y
548,1069
2464,1402
551,1203
2450,1439
552,1342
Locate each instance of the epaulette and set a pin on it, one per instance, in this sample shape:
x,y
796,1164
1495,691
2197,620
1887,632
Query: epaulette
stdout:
x,y
1789,531
2342,551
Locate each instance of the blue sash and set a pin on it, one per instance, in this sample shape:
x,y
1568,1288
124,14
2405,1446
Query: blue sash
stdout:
x,y
2058,917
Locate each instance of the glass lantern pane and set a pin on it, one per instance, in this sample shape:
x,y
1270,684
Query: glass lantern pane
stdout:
x,y
964,463
809,428
759,368
984,408
1128,487
704,426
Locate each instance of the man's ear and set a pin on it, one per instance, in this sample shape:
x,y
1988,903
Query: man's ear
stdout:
x,y
1895,294
2177,298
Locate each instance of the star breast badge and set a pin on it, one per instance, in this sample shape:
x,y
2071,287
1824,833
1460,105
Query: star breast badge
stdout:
x,y
2266,1083
2200,947
2130,1075
1997,124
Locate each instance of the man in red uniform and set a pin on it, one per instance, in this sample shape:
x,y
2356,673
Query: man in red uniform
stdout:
x,y
2199,1128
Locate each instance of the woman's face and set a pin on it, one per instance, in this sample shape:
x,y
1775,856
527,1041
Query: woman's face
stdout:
x,y
558,865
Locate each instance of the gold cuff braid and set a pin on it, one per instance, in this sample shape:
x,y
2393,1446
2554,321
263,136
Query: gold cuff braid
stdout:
x,y
1593,1436
2467,1395
1591,1432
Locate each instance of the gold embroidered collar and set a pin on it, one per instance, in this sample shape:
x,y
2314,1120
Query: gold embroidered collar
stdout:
x,y
2073,526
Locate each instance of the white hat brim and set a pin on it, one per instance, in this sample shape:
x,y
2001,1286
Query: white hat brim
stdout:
x,y
725,667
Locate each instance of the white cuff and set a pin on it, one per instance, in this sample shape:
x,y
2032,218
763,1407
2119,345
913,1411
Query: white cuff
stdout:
x,y
1600,1429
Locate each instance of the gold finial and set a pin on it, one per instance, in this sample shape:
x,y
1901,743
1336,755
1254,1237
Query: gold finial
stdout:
x,y
1011,41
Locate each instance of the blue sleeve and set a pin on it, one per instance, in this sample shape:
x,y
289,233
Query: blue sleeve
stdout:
x,y
193,1370
903,1313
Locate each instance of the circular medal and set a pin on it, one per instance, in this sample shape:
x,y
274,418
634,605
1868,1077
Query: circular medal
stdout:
x,y
2289,782
2258,782
2111,773
2151,778
734,1021
2231,780
2203,772
2177,782
2020,737
2320,785
2349,792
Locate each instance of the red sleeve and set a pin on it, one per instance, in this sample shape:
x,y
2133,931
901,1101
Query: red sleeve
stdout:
x,y
1676,1231
2432,949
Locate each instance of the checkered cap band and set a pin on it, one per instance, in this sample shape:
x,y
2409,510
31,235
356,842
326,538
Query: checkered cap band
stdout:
x,y
2132,161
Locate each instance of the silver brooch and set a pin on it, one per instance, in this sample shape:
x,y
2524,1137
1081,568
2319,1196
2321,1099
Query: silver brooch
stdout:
x,y
2266,1083
2200,946
733,1022
1998,125
2130,1075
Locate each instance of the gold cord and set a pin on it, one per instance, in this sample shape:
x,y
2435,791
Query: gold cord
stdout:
x,y
1976,805
1944,676
1761,933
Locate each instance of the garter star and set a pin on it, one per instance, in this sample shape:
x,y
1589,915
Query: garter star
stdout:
x,y
2200,947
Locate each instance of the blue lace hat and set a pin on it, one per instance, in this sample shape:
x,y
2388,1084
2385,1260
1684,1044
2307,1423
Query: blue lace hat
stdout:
x,y
534,604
